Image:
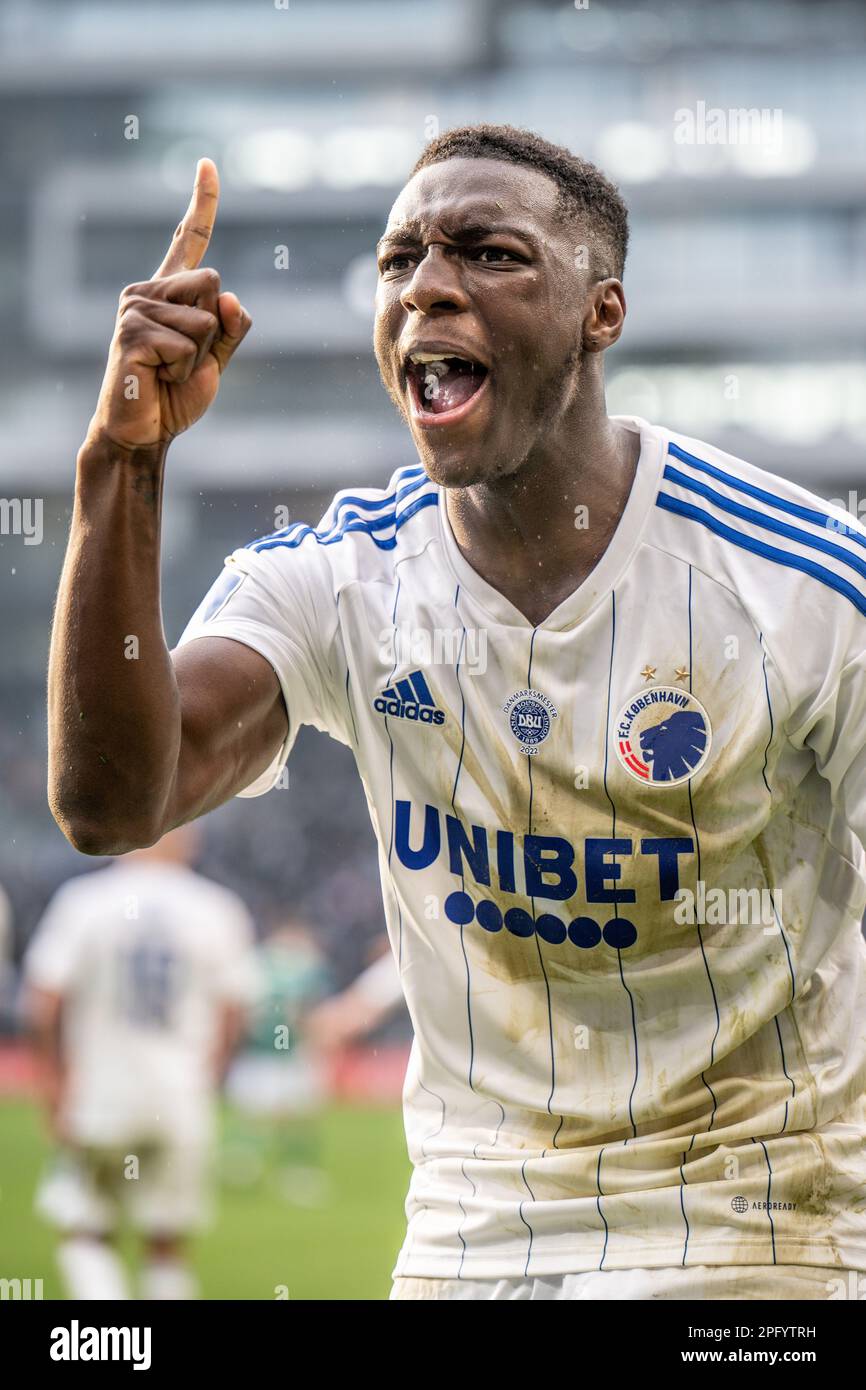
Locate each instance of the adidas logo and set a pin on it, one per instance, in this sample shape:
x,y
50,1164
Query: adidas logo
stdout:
x,y
410,698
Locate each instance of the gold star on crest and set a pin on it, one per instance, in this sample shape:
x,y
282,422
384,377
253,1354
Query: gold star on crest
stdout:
x,y
649,673
682,673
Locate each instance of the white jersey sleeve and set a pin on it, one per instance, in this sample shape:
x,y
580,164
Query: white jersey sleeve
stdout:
x,y
836,732
798,566
278,600
5,927
379,985
817,642
55,955
235,974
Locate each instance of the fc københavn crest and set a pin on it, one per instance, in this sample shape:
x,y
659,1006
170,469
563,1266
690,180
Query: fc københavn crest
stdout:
x,y
530,715
662,736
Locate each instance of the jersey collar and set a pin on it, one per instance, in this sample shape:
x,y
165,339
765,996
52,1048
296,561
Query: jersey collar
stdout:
x,y
602,579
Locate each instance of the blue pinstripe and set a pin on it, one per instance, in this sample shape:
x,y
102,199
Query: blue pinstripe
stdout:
x,y
706,962
769,1195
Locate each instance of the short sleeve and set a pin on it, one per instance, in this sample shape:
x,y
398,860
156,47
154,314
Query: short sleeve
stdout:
x,y
837,736
379,985
55,956
236,975
821,651
279,601
5,926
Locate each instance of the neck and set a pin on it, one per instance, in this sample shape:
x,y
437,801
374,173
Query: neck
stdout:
x,y
536,534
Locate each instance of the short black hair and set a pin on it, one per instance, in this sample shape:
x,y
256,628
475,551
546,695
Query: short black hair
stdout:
x,y
583,189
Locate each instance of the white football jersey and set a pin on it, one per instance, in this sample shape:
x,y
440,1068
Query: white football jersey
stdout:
x,y
622,861
145,955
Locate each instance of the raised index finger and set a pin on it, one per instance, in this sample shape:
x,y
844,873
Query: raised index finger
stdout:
x,y
191,239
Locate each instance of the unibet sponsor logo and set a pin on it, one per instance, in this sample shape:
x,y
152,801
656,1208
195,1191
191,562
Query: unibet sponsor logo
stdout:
x,y
409,698
493,863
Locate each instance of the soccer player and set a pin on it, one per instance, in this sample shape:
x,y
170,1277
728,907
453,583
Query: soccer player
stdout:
x,y
363,1006
277,1082
603,684
137,980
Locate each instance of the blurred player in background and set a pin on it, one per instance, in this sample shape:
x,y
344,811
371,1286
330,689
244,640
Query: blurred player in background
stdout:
x,y
7,971
277,1082
360,1008
137,982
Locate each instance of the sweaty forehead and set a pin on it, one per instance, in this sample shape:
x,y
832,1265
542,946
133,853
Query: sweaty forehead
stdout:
x,y
476,190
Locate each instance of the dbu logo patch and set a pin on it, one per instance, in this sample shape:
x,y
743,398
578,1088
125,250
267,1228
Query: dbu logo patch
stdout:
x,y
529,718
663,736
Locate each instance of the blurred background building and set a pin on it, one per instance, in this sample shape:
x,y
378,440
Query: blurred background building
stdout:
x,y
746,285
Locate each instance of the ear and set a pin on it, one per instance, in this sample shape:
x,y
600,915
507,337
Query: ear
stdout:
x,y
605,316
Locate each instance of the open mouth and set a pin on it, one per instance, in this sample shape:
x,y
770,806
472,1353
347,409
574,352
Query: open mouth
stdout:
x,y
443,385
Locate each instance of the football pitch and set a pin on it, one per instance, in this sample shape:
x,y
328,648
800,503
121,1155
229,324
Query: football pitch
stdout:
x,y
344,1247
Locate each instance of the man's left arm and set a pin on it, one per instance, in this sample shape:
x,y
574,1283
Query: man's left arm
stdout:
x,y
52,970
44,1015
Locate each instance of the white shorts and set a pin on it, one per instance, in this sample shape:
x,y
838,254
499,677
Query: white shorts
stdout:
x,y
158,1189
286,1087
761,1282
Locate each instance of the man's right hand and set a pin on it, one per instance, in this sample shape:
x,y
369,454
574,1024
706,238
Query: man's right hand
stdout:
x,y
173,338
139,742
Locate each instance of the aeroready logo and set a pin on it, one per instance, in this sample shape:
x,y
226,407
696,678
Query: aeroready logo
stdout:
x,y
77,1343
410,698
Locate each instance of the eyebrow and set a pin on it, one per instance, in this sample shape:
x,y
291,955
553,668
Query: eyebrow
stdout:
x,y
469,232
